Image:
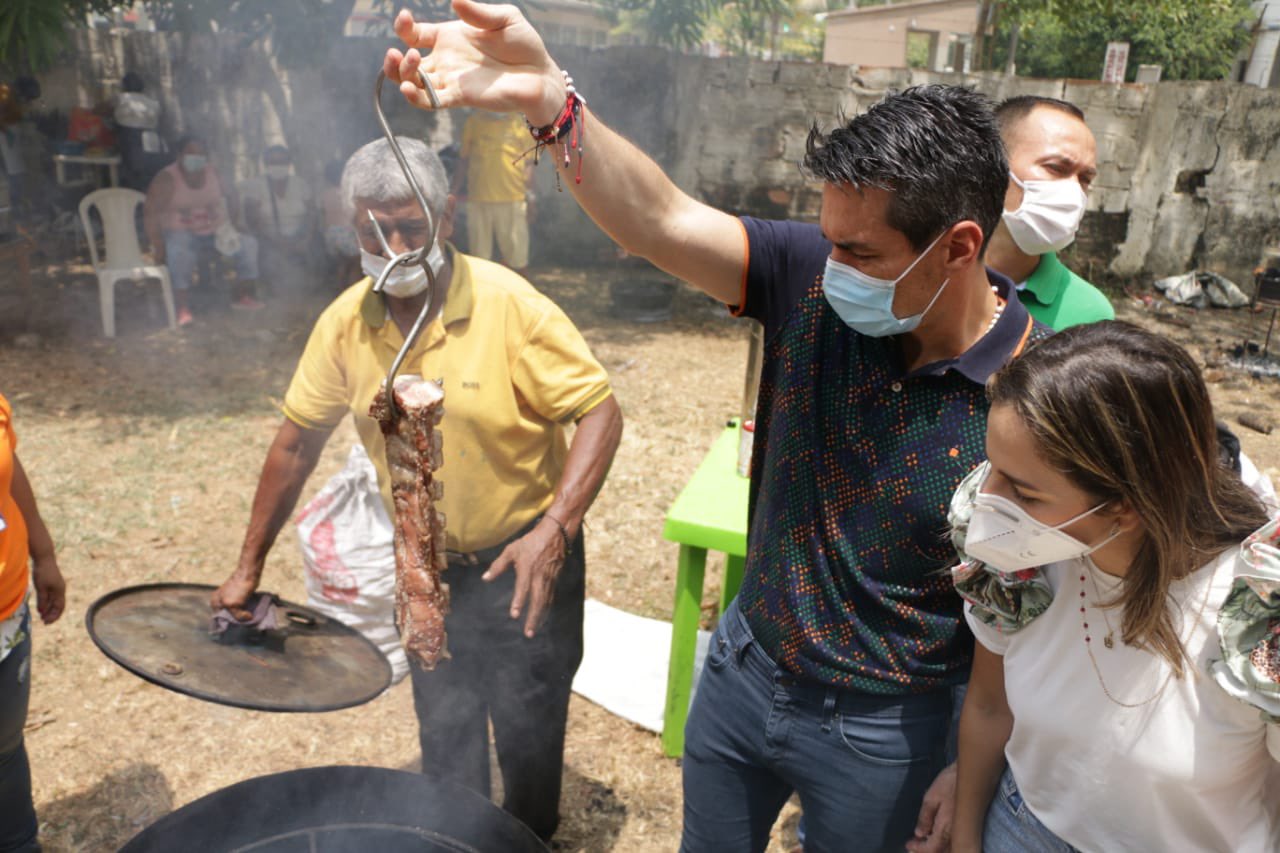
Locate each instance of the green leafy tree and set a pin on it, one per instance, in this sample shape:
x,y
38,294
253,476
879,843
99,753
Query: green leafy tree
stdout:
x,y
673,23
751,27
33,31
1189,39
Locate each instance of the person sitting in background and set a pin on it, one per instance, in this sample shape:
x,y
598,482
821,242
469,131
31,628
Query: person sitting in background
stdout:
x,y
27,559
278,211
1118,629
185,209
498,176
137,118
340,242
1053,160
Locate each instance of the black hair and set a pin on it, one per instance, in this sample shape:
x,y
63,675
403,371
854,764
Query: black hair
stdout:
x,y
935,148
1011,111
276,149
132,82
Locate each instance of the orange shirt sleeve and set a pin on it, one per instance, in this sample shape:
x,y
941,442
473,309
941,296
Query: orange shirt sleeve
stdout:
x,y
13,538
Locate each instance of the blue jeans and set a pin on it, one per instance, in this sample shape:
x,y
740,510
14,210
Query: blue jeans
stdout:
x,y
1012,828
183,251
860,763
17,812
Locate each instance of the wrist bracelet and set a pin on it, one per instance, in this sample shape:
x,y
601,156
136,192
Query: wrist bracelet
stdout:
x,y
567,130
564,533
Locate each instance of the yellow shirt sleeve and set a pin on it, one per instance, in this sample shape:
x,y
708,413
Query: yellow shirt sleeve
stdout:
x,y
317,397
555,371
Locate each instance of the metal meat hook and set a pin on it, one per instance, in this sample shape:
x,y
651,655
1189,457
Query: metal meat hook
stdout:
x,y
417,256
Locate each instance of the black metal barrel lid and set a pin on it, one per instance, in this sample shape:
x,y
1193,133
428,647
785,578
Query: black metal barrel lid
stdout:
x,y
161,633
339,809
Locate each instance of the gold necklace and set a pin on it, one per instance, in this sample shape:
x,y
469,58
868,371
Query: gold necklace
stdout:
x,y
1088,645
1109,640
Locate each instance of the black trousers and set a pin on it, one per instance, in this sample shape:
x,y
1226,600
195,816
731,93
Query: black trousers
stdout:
x,y
496,673
17,813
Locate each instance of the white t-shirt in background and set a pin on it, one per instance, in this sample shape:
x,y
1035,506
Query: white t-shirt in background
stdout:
x,y
291,207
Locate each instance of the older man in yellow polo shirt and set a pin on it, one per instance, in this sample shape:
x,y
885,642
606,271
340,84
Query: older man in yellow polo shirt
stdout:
x,y
516,374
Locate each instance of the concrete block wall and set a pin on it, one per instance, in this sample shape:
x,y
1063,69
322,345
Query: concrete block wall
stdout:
x,y
1188,171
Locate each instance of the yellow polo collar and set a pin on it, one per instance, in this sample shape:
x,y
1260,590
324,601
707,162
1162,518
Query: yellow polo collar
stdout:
x,y
458,301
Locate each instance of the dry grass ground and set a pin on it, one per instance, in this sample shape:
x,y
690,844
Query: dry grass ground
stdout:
x,y
145,451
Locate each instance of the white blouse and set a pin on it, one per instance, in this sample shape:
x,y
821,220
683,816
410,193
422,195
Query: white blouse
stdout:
x,y
1187,771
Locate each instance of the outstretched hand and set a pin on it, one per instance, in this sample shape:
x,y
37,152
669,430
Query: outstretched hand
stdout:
x,y
490,58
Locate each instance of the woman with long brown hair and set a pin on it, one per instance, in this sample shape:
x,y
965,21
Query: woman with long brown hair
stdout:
x,y
1125,691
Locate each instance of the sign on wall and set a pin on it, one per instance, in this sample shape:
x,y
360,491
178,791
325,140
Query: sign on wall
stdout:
x,y
1113,67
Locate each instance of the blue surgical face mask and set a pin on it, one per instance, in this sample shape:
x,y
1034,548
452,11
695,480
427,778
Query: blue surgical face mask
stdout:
x,y
865,303
194,162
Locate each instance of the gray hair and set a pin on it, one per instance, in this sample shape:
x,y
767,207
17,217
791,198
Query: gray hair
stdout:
x,y
373,174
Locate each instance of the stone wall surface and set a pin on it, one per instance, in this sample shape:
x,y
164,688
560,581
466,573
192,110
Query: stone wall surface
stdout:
x,y
1188,171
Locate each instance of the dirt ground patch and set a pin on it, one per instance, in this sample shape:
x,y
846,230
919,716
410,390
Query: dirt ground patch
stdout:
x,y
145,451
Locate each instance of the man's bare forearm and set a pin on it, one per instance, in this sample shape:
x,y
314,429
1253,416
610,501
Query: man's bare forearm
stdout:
x,y
590,455
290,460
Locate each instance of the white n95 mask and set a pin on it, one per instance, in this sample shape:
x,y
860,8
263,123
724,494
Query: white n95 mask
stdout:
x,y
405,280
1049,216
1004,536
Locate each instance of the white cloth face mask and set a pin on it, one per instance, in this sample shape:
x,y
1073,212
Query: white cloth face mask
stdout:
x,y
406,280
1049,216
1004,536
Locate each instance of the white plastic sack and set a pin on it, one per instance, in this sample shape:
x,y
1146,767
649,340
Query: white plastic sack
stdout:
x,y
1202,289
226,239
350,562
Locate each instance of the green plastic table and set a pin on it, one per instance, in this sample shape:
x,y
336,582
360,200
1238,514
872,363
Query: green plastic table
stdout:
x,y
709,514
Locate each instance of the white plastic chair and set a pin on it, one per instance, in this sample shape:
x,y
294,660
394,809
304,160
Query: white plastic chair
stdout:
x,y
118,208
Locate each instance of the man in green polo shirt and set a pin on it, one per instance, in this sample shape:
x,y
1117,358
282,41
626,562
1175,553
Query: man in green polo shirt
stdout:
x,y
1053,159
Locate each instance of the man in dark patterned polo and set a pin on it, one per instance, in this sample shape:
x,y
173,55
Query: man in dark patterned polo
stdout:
x,y
831,674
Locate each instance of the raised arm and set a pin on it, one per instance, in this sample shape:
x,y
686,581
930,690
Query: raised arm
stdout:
x,y
492,59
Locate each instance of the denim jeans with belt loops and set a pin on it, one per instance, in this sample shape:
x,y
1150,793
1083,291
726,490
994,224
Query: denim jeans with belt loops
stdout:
x,y
861,763
1012,828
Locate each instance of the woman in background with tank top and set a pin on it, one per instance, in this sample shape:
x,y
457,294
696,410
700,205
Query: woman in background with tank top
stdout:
x,y
186,220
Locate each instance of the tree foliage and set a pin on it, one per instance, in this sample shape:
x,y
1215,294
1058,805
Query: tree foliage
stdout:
x,y
1189,39
778,28
674,23
33,31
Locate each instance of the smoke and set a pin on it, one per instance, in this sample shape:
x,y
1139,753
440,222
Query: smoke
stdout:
x,y
236,94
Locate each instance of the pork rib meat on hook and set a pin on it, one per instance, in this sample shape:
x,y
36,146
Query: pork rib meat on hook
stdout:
x,y
408,409
413,457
